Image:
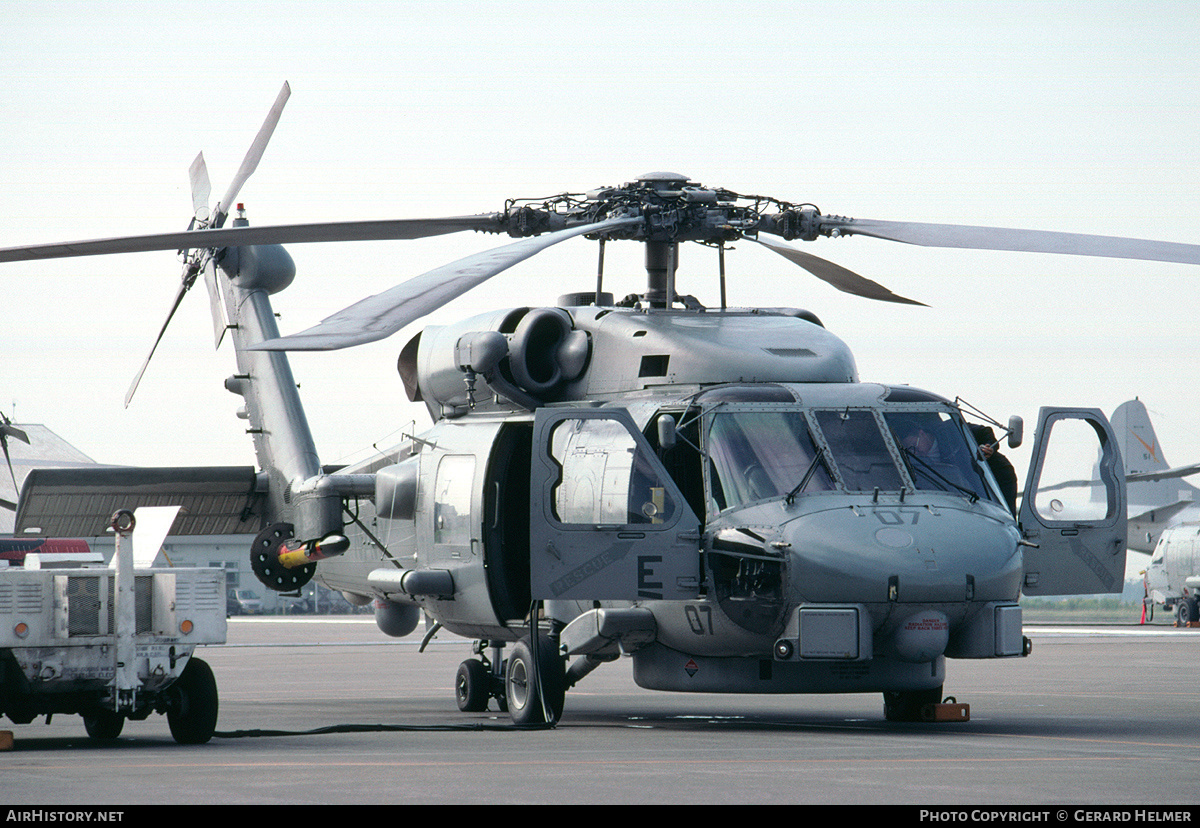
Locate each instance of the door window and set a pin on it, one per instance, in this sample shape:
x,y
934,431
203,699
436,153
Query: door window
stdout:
x,y
605,478
1069,486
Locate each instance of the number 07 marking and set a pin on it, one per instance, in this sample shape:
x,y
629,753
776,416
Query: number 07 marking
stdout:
x,y
696,618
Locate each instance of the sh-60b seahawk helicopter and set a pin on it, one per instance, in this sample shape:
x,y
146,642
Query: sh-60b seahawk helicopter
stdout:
x,y
711,491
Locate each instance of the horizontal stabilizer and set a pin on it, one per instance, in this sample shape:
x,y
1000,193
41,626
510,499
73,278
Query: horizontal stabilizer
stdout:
x,y
1161,514
80,502
1165,474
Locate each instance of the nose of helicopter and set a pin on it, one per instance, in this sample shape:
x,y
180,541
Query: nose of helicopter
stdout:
x,y
913,555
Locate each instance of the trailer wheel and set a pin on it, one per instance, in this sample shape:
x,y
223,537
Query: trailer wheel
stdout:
x,y
192,713
1185,611
104,725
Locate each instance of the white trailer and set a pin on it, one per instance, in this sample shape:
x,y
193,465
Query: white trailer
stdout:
x,y
109,643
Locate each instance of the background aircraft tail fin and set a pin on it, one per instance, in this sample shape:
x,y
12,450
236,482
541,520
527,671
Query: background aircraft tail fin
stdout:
x,y
1139,444
1158,494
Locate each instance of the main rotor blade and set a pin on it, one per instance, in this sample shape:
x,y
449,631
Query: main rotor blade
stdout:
x,y
844,280
381,315
253,155
1028,241
238,236
183,289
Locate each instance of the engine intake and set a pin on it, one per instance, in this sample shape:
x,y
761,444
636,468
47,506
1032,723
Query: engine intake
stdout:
x,y
546,351
525,356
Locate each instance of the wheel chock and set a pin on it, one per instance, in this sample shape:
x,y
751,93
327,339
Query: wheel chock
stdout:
x,y
6,740
948,710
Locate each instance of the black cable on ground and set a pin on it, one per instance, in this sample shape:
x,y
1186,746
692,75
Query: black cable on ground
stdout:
x,y
378,728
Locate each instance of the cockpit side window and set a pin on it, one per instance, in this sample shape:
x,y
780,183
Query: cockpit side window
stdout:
x,y
861,455
758,455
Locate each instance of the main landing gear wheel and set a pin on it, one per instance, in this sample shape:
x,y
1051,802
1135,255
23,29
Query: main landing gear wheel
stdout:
x,y
535,689
472,686
905,705
104,725
192,715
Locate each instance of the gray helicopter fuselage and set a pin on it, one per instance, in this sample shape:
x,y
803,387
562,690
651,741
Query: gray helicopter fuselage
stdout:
x,y
862,578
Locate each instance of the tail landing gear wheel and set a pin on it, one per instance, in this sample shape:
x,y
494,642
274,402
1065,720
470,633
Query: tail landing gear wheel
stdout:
x,y
471,686
192,715
905,705
104,725
535,689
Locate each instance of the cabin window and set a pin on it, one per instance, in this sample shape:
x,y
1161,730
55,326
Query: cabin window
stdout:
x,y
757,455
452,500
605,478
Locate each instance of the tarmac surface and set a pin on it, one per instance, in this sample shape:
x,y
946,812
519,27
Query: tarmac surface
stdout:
x,y
1095,716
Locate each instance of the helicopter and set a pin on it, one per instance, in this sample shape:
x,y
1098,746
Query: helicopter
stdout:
x,y
710,491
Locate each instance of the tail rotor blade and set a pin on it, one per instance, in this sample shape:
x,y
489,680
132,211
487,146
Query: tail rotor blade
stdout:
x,y
844,280
11,473
201,189
215,304
253,156
183,289
7,429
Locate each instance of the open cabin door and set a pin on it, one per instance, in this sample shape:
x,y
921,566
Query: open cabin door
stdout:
x,y
1074,506
607,522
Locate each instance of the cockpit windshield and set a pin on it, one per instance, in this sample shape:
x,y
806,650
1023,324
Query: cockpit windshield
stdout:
x,y
858,449
756,455
937,452
759,455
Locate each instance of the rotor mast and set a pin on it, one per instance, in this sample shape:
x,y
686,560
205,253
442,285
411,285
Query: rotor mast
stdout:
x,y
661,260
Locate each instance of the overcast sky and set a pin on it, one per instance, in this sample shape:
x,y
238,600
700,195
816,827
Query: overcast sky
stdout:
x,y
1062,116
